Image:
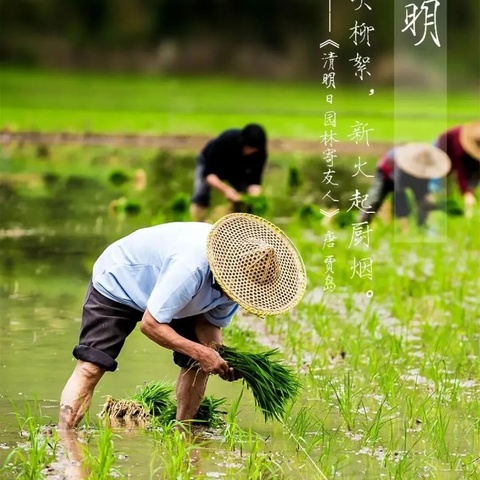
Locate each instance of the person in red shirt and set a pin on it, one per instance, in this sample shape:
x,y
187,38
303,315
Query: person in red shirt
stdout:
x,y
409,166
462,145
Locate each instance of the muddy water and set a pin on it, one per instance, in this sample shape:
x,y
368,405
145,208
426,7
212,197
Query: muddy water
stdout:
x,y
43,279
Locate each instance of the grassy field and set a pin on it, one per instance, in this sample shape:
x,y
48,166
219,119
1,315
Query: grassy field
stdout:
x,y
49,101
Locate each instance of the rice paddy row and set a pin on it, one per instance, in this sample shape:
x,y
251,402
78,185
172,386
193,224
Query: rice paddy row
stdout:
x,y
389,368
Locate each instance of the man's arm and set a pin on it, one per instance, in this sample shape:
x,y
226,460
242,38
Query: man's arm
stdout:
x,y
226,190
164,335
172,292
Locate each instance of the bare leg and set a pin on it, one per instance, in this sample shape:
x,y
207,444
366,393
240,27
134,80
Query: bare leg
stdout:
x,y
206,332
404,225
78,393
192,383
198,213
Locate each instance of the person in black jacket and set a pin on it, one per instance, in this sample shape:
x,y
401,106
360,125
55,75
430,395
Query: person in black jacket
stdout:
x,y
233,164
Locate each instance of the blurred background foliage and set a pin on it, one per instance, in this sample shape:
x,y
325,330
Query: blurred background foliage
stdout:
x,y
255,38
70,187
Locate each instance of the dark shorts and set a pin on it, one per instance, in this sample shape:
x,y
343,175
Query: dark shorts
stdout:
x,y
201,189
105,326
383,186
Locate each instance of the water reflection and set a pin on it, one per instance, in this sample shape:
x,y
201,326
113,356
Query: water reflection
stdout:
x,y
47,249
43,281
73,464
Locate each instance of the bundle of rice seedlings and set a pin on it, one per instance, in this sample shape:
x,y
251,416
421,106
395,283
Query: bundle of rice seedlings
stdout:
x,y
258,205
125,411
209,414
272,384
151,400
153,403
155,397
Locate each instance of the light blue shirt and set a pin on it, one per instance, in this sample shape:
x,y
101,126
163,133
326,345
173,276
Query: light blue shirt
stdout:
x,y
163,269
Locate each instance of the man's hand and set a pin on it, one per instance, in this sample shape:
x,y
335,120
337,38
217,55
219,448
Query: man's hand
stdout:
x,y
429,201
226,190
211,362
232,195
209,359
254,190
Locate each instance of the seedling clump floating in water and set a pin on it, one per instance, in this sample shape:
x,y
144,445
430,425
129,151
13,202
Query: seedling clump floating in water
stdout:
x,y
153,404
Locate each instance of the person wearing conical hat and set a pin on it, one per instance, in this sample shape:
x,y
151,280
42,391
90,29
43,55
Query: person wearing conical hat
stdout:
x,y
232,164
182,282
462,145
410,166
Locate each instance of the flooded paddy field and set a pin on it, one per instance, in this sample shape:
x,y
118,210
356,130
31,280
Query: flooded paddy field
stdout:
x,y
389,366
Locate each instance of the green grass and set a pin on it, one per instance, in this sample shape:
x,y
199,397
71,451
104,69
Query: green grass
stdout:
x,y
51,101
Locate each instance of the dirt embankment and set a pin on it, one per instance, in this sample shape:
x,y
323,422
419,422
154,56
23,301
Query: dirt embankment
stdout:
x,y
180,142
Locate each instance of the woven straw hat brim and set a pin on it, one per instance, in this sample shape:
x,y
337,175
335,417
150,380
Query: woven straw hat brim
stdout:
x,y
422,160
470,139
228,243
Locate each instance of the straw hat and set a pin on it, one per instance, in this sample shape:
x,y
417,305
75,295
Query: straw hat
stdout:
x,y
256,264
470,139
422,160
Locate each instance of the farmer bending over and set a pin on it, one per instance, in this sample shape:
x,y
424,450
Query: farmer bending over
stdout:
x,y
462,145
409,166
233,164
182,282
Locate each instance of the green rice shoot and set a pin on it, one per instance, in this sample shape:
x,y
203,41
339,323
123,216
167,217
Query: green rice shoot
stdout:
x,y
273,384
210,414
155,397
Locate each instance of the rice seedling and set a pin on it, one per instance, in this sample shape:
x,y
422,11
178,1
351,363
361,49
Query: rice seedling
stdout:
x,y
272,384
29,460
437,428
174,452
469,465
155,397
210,413
344,395
233,434
101,464
127,411
258,205
372,429
261,465
153,404
298,429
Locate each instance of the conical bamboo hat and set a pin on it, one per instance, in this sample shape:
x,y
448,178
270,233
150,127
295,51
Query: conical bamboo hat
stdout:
x,y
256,264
